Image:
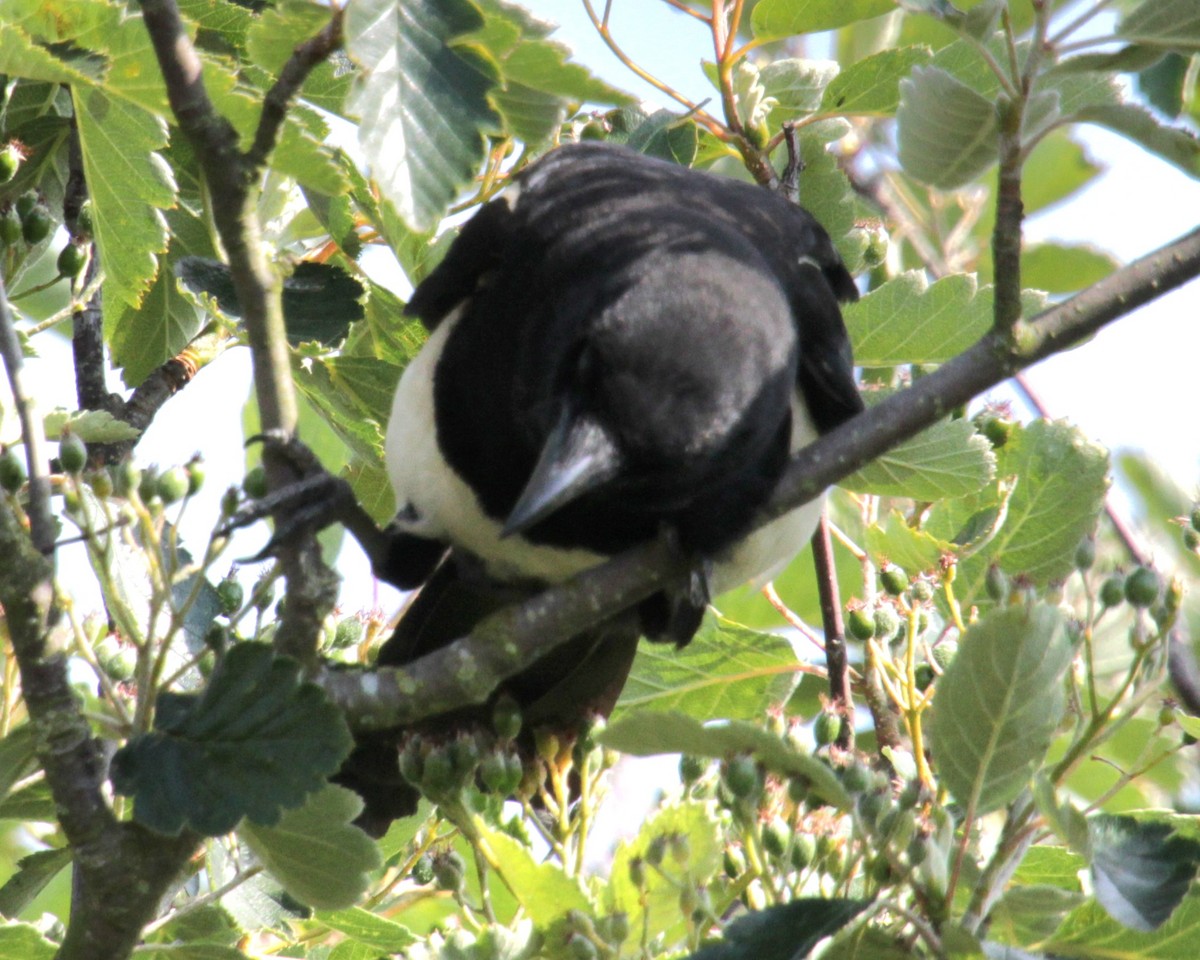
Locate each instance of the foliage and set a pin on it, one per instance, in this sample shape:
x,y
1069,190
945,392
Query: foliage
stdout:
x,y
1020,652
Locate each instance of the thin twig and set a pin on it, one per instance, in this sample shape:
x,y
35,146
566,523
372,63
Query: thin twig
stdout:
x,y
836,659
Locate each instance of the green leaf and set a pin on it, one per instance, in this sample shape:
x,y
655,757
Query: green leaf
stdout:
x,y
257,740
667,136
370,929
424,103
947,131
129,185
33,873
315,852
191,951
783,932
871,87
1174,24
948,460
1028,913
18,757
1140,871
998,705
1089,933
1176,145
543,889
797,86
90,426
20,941
826,193
649,733
916,551
1163,85
1065,268
727,670
777,19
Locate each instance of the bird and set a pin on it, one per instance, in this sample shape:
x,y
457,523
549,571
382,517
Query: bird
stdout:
x,y
620,348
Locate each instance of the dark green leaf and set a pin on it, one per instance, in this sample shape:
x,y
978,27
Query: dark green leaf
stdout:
x,y
666,135
33,873
947,460
18,756
649,733
1140,871
1174,24
947,131
727,670
256,741
424,102
872,86
777,19
1163,84
785,932
315,852
998,705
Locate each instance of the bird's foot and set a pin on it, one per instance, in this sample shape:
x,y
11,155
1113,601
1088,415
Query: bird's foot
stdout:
x,y
674,615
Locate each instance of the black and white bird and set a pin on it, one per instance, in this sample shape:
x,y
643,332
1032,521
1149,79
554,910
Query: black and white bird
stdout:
x,y
618,345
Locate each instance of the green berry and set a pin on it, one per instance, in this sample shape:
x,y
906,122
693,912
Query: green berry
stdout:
x,y
255,482
637,872
148,484
923,675
1142,587
12,471
856,777
887,621
25,204
741,776
804,849
230,596
1112,591
71,260
1085,554
944,653
1191,539
775,836
195,475
922,591
449,870
614,928
216,638
172,485
10,228
581,948
861,624
412,761
438,775
422,871
893,579
995,582
72,454
506,718
36,225
10,162
691,768
101,482
997,429
734,862
826,728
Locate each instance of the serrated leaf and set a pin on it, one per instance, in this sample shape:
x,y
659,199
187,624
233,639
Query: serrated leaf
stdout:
x,y
998,705
275,33
656,908
826,193
32,875
256,741
1174,24
648,733
129,186
315,852
666,135
369,929
90,426
777,19
20,941
1089,933
18,755
727,670
948,460
32,802
909,320
872,85
797,86
947,131
917,551
1140,871
784,932
1065,268
1176,145
543,889
530,115
423,104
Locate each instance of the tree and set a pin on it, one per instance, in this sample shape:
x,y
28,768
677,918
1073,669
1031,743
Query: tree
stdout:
x,y
1023,672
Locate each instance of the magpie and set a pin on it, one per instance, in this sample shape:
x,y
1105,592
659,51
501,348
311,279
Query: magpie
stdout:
x,y
618,346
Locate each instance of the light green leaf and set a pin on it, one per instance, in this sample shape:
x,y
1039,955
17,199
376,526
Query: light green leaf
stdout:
x,y
20,941
543,889
315,852
18,754
947,131
129,185
370,929
32,875
914,550
947,460
777,19
998,705
782,932
1065,268
797,86
192,951
872,85
90,426
423,103
826,193
727,670
1176,145
648,733
1174,24
1089,933
908,320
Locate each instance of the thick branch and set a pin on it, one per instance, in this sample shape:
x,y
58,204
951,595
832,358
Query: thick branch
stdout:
x,y
468,670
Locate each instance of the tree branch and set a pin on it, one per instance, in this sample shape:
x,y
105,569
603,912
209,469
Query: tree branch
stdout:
x,y
468,670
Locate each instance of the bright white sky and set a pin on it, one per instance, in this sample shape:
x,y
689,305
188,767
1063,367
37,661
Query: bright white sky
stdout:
x,y
1134,386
